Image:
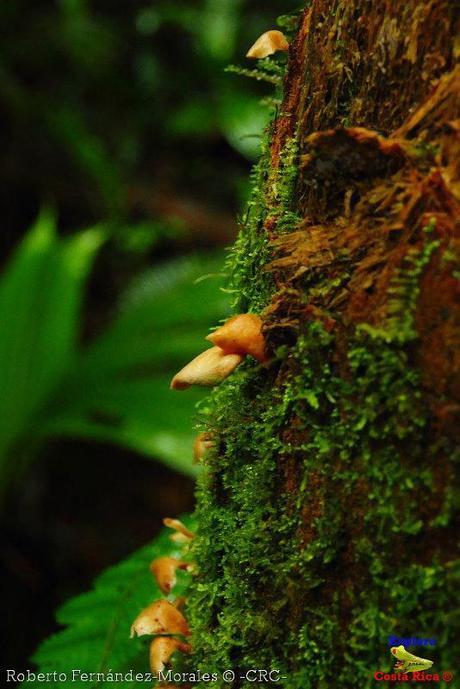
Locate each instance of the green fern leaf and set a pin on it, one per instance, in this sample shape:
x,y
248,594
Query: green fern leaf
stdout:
x,y
96,638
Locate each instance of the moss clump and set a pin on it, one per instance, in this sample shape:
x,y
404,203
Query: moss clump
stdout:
x,y
309,549
309,518
404,292
251,286
324,509
271,204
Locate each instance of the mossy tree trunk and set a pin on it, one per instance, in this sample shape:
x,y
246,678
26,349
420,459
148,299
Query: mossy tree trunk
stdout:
x,y
327,511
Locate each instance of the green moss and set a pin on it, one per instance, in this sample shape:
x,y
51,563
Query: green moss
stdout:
x,y
250,284
309,507
266,72
289,22
405,288
273,582
271,197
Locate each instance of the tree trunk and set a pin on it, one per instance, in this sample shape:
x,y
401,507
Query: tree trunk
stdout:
x,y
327,510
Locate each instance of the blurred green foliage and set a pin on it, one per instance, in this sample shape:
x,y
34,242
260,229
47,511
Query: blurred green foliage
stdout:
x,y
122,117
116,387
102,98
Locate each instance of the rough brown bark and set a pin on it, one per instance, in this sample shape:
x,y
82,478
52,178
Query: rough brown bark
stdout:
x,y
356,482
390,72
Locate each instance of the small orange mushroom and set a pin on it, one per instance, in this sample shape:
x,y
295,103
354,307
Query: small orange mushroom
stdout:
x,y
209,368
242,335
268,43
160,617
179,602
164,570
179,538
161,650
180,529
202,443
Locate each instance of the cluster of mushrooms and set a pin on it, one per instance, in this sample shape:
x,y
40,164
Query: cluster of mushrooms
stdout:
x,y
239,337
163,619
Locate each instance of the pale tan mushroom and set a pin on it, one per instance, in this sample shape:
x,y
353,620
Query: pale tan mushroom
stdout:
x,y
161,650
202,443
160,617
180,528
179,538
268,43
208,368
164,570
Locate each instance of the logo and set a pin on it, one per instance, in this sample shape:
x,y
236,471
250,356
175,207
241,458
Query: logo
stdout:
x,y
411,668
410,641
406,662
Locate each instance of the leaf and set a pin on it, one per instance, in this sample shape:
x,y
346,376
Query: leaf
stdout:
x,y
68,126
219,28
243,120
97,623
40,300
118,389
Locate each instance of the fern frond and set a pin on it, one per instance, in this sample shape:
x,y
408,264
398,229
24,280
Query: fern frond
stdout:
x,y
96,638
257,74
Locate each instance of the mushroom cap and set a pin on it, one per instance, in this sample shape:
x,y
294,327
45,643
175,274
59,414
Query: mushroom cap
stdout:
x,y
241,334
209,368
179,538
268,43
160,617
164,570
201,444
178,526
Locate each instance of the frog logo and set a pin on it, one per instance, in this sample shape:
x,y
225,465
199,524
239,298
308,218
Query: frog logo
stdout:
x,y
406,662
